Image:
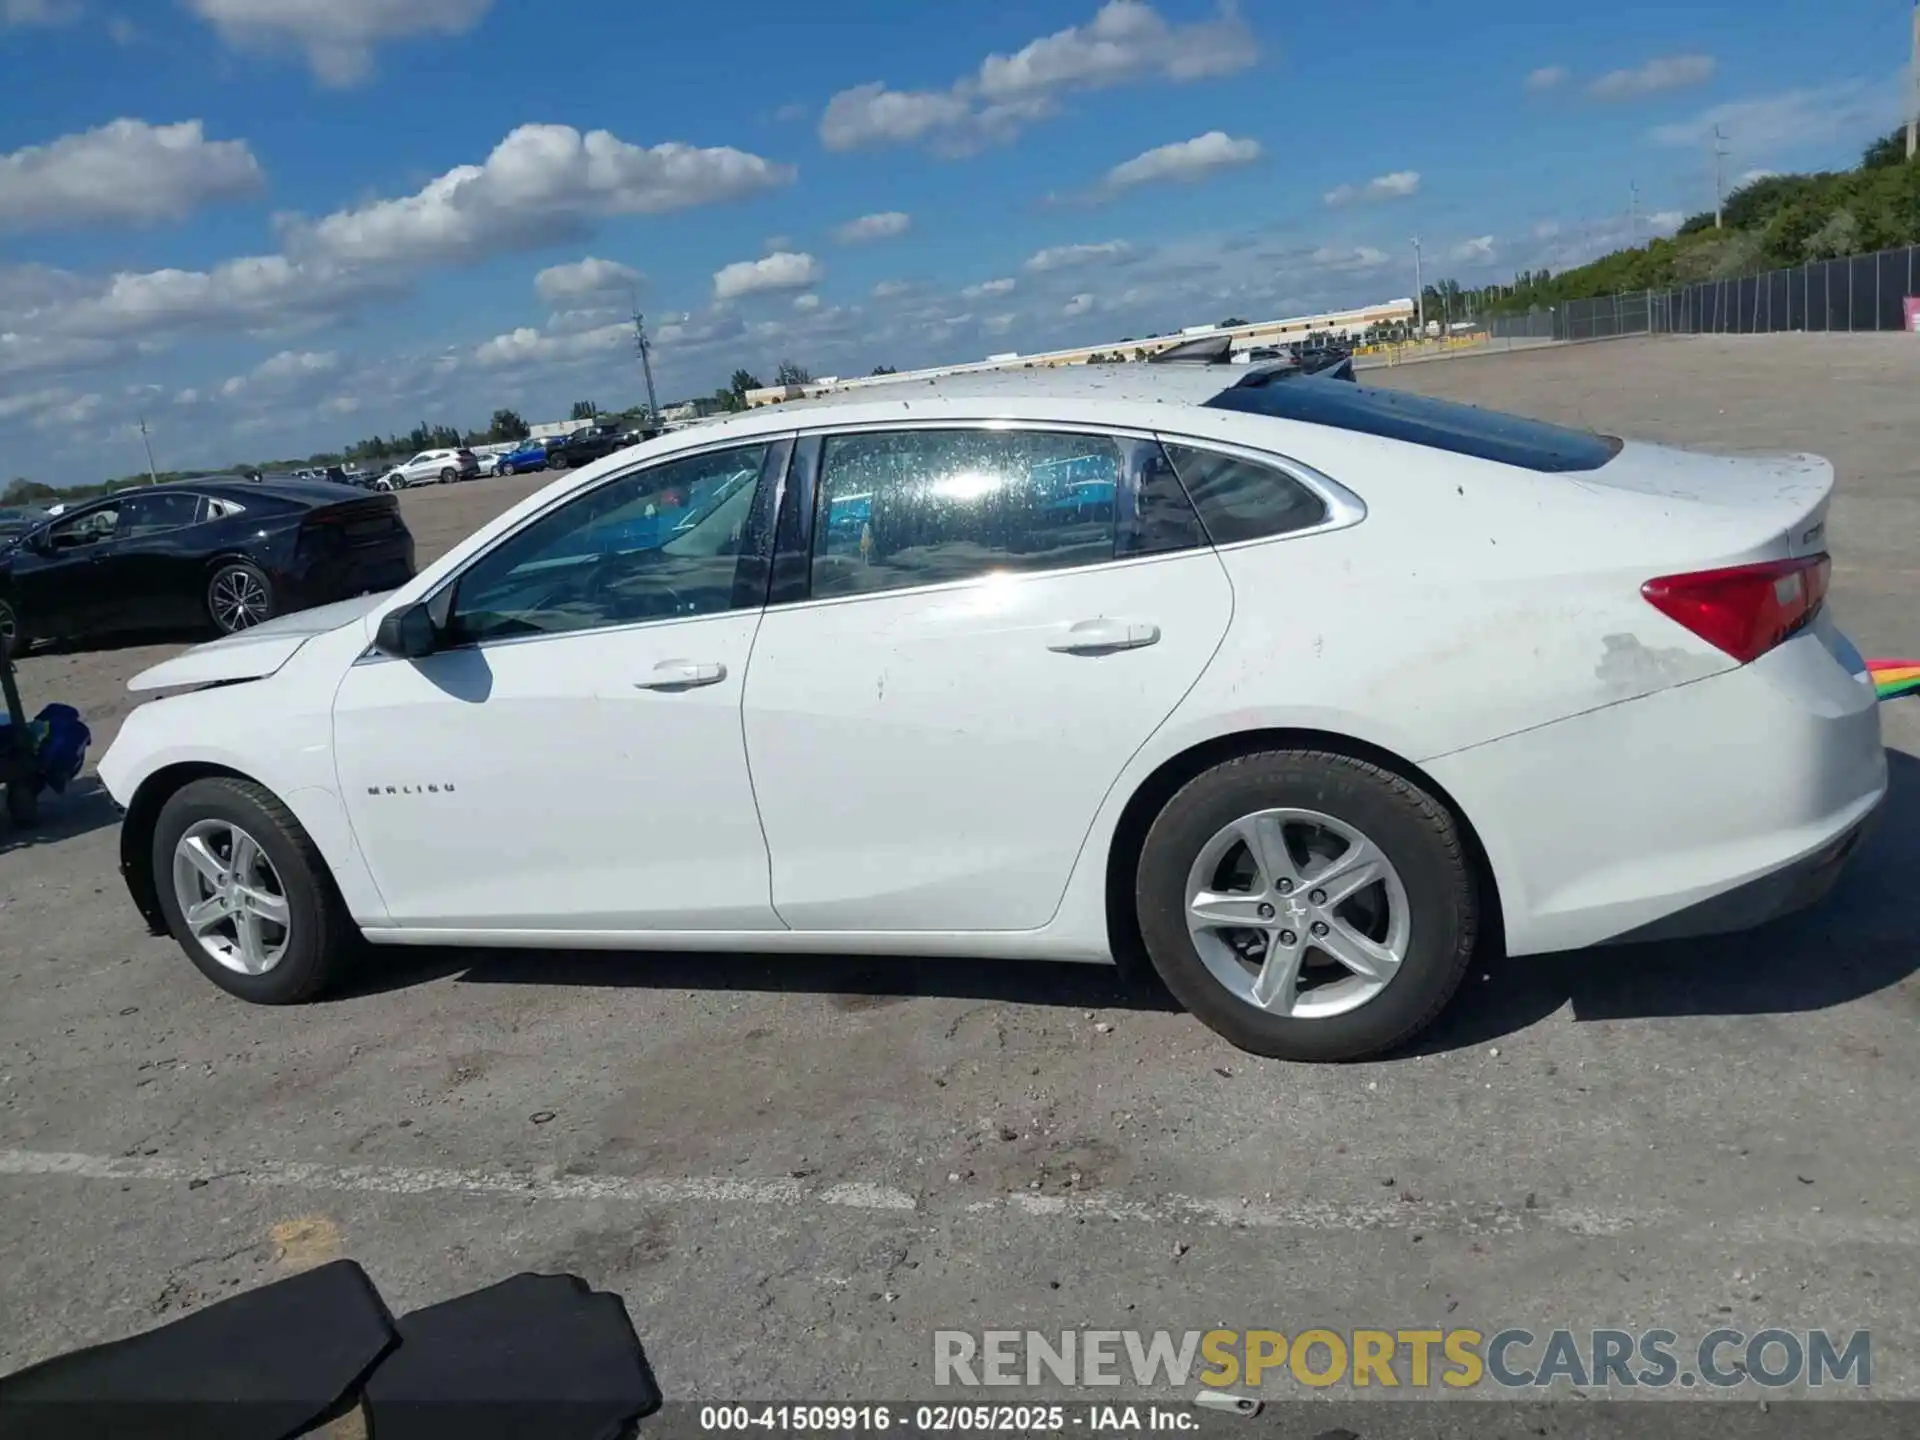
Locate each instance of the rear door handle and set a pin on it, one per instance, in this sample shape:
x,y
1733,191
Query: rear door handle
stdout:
x,y
1105,635
682,675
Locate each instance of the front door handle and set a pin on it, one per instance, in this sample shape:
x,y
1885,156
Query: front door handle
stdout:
x,y
682,675
1104,636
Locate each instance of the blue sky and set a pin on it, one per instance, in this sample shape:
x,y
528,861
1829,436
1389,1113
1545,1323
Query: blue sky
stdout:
x,y
275,226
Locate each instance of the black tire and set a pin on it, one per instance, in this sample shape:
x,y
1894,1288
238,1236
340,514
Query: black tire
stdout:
x,y
556,462
1416,833
449,475
23,803
238,572
322,941
505,468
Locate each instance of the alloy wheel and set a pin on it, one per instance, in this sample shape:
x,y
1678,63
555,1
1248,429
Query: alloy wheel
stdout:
x,y
239,600
1297,913
231,897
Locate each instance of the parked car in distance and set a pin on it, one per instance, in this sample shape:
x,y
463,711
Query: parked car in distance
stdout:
x,y
1340,687
431,467
528,456
218,552
17,520
586,445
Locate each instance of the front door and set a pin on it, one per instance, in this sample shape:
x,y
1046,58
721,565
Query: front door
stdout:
x,y
995,620
572,762
58,584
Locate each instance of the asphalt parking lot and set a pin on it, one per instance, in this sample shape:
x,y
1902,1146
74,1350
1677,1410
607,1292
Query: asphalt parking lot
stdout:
x,y
796,1171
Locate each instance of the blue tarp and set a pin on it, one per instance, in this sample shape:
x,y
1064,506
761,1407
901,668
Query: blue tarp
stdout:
x,y
60,740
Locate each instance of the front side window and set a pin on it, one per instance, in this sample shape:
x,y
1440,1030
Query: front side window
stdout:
x,y
88,529
1243,499
657,544
925,507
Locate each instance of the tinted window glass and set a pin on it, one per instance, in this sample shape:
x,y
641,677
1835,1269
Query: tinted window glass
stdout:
x,y
1420,420
661,543
1165,520
920,507
1242,500
150,514
89,528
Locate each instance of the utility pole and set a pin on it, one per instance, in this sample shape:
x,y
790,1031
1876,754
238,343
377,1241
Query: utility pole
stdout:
x,y
1419,289
152,475
1633,211
643,347
1913,82
1719,177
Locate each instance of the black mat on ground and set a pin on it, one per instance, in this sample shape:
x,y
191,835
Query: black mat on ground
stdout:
x,y
262,1365
537,1357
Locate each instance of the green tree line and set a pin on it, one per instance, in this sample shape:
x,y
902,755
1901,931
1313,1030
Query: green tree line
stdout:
x,y
1771,223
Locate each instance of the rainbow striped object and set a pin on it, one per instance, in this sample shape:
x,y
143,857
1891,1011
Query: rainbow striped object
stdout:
x,y
1893,678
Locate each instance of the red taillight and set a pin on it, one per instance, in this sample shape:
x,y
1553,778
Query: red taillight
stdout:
x,y
1745,610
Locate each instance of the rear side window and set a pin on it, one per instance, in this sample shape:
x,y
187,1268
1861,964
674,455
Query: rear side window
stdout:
x,y
1422,420
1244,500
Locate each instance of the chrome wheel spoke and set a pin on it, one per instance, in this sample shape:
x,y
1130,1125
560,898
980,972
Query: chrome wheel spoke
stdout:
x,y
252,944
1359,866
197,853
1365,958
207,914
269,907
1266,841
1230,911
246,857
1278,983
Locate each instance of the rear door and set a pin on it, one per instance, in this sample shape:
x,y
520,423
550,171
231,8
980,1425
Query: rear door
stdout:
x,y
972,632
154,568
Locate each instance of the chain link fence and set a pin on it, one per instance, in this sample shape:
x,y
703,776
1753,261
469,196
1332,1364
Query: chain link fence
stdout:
x,y
1855,293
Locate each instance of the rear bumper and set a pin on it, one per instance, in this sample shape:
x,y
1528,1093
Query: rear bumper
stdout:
x,y
1792,888
1707,807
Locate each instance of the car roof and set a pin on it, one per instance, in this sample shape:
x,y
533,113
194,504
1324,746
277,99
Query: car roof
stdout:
x,y
1124,382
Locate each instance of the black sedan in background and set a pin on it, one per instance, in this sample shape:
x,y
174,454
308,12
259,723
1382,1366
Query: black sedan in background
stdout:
x,y
221,552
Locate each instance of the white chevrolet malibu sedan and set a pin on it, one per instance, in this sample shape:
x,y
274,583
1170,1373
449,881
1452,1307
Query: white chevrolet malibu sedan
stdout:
x,y
1300,689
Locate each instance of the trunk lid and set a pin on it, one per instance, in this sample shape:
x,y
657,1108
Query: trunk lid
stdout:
x,y
1735,508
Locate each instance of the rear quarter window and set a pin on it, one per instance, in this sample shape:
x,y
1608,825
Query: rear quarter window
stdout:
x,y
1422,420
1242,499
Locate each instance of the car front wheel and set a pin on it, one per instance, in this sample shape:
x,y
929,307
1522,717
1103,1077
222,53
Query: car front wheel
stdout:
x,y
247,895
504,469
1308,905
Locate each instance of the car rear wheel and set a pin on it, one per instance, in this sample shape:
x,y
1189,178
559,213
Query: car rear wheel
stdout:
x,y
556,462
239,597
1308,905
449,475
247,895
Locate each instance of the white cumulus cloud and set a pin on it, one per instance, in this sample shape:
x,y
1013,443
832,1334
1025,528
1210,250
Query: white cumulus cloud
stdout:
x,y
1126,41
1396,186
1080,304
1663,72
883,226
558,284
1063,257
1547,77
1184,160
540,183
1001,286
1477,251
782,270
126,172
338,37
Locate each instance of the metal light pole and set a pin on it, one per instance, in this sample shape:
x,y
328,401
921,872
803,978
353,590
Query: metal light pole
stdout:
x,y
1419,286
1719,176
1633,211
644,348
146,444
1913,81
